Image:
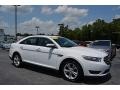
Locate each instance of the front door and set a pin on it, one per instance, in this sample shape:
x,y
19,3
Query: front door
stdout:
x,y
46,55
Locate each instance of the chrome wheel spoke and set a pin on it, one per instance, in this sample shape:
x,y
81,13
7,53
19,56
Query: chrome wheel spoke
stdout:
x,y
66,70
68,66
70,75
70,71
74,73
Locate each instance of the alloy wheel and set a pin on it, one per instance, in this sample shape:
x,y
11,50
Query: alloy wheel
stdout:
x,y
16,60
71,71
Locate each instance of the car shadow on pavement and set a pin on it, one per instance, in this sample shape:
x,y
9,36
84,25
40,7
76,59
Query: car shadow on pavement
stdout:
x,y
41,69
96,80
55,73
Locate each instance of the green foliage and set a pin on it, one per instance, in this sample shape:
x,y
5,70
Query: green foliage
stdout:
x,y
98,30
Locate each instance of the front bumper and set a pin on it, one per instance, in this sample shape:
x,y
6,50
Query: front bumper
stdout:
x,y
91,68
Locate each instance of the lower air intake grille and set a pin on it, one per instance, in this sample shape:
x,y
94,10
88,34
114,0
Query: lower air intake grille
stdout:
x,y
107,60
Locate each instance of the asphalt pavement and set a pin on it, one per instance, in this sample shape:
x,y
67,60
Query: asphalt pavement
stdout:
x,y
36,75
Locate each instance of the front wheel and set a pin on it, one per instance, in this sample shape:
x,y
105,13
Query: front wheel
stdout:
x,y
72,71
17,62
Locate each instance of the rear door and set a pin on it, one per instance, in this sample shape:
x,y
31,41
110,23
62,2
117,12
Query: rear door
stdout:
x,y
28,49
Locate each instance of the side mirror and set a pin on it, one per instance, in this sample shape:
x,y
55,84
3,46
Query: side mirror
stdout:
x,y
51,45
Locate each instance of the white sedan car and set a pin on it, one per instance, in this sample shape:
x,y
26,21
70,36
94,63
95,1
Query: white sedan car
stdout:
x,y
61,54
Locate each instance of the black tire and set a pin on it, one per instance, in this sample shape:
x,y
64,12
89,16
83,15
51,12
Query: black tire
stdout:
x,y
17,61
78,71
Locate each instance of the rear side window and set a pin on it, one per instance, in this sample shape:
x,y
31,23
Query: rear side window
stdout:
x,y
44,42
30,41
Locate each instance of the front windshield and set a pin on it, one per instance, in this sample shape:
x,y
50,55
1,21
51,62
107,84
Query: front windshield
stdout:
x,y
64,42
101,43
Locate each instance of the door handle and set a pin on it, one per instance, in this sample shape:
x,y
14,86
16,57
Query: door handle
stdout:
x,y
38,50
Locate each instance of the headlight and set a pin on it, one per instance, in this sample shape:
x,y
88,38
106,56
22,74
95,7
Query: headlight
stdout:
x,y
96,59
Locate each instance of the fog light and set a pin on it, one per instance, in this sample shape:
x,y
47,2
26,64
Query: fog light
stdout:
x,y
94,72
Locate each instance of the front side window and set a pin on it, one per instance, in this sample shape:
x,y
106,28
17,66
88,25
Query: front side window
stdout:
x,y
30,41
44,41
64,42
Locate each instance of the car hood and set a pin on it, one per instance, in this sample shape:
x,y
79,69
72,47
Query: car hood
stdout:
x,y
101,48
85,51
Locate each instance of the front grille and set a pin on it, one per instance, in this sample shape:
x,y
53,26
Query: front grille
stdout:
x,y
107,60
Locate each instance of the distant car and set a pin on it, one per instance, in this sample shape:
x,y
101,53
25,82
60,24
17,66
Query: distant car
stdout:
x,y
88,42
6,45
117,46
0,44
76,41
80,43
105,46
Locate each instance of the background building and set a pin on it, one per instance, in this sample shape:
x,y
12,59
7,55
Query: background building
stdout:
x,y
2,35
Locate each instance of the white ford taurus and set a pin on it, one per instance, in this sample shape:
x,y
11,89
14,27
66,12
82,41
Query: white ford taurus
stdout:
x,y
61,54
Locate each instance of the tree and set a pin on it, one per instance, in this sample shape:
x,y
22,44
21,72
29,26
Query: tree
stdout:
x,y
98,30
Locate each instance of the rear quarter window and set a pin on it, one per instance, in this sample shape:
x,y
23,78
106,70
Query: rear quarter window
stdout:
x,y
30,41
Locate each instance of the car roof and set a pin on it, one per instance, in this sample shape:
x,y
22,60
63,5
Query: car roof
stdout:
x,y
44,36
52,37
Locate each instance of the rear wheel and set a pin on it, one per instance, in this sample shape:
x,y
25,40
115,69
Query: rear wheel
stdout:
x,y
17,62
72,71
